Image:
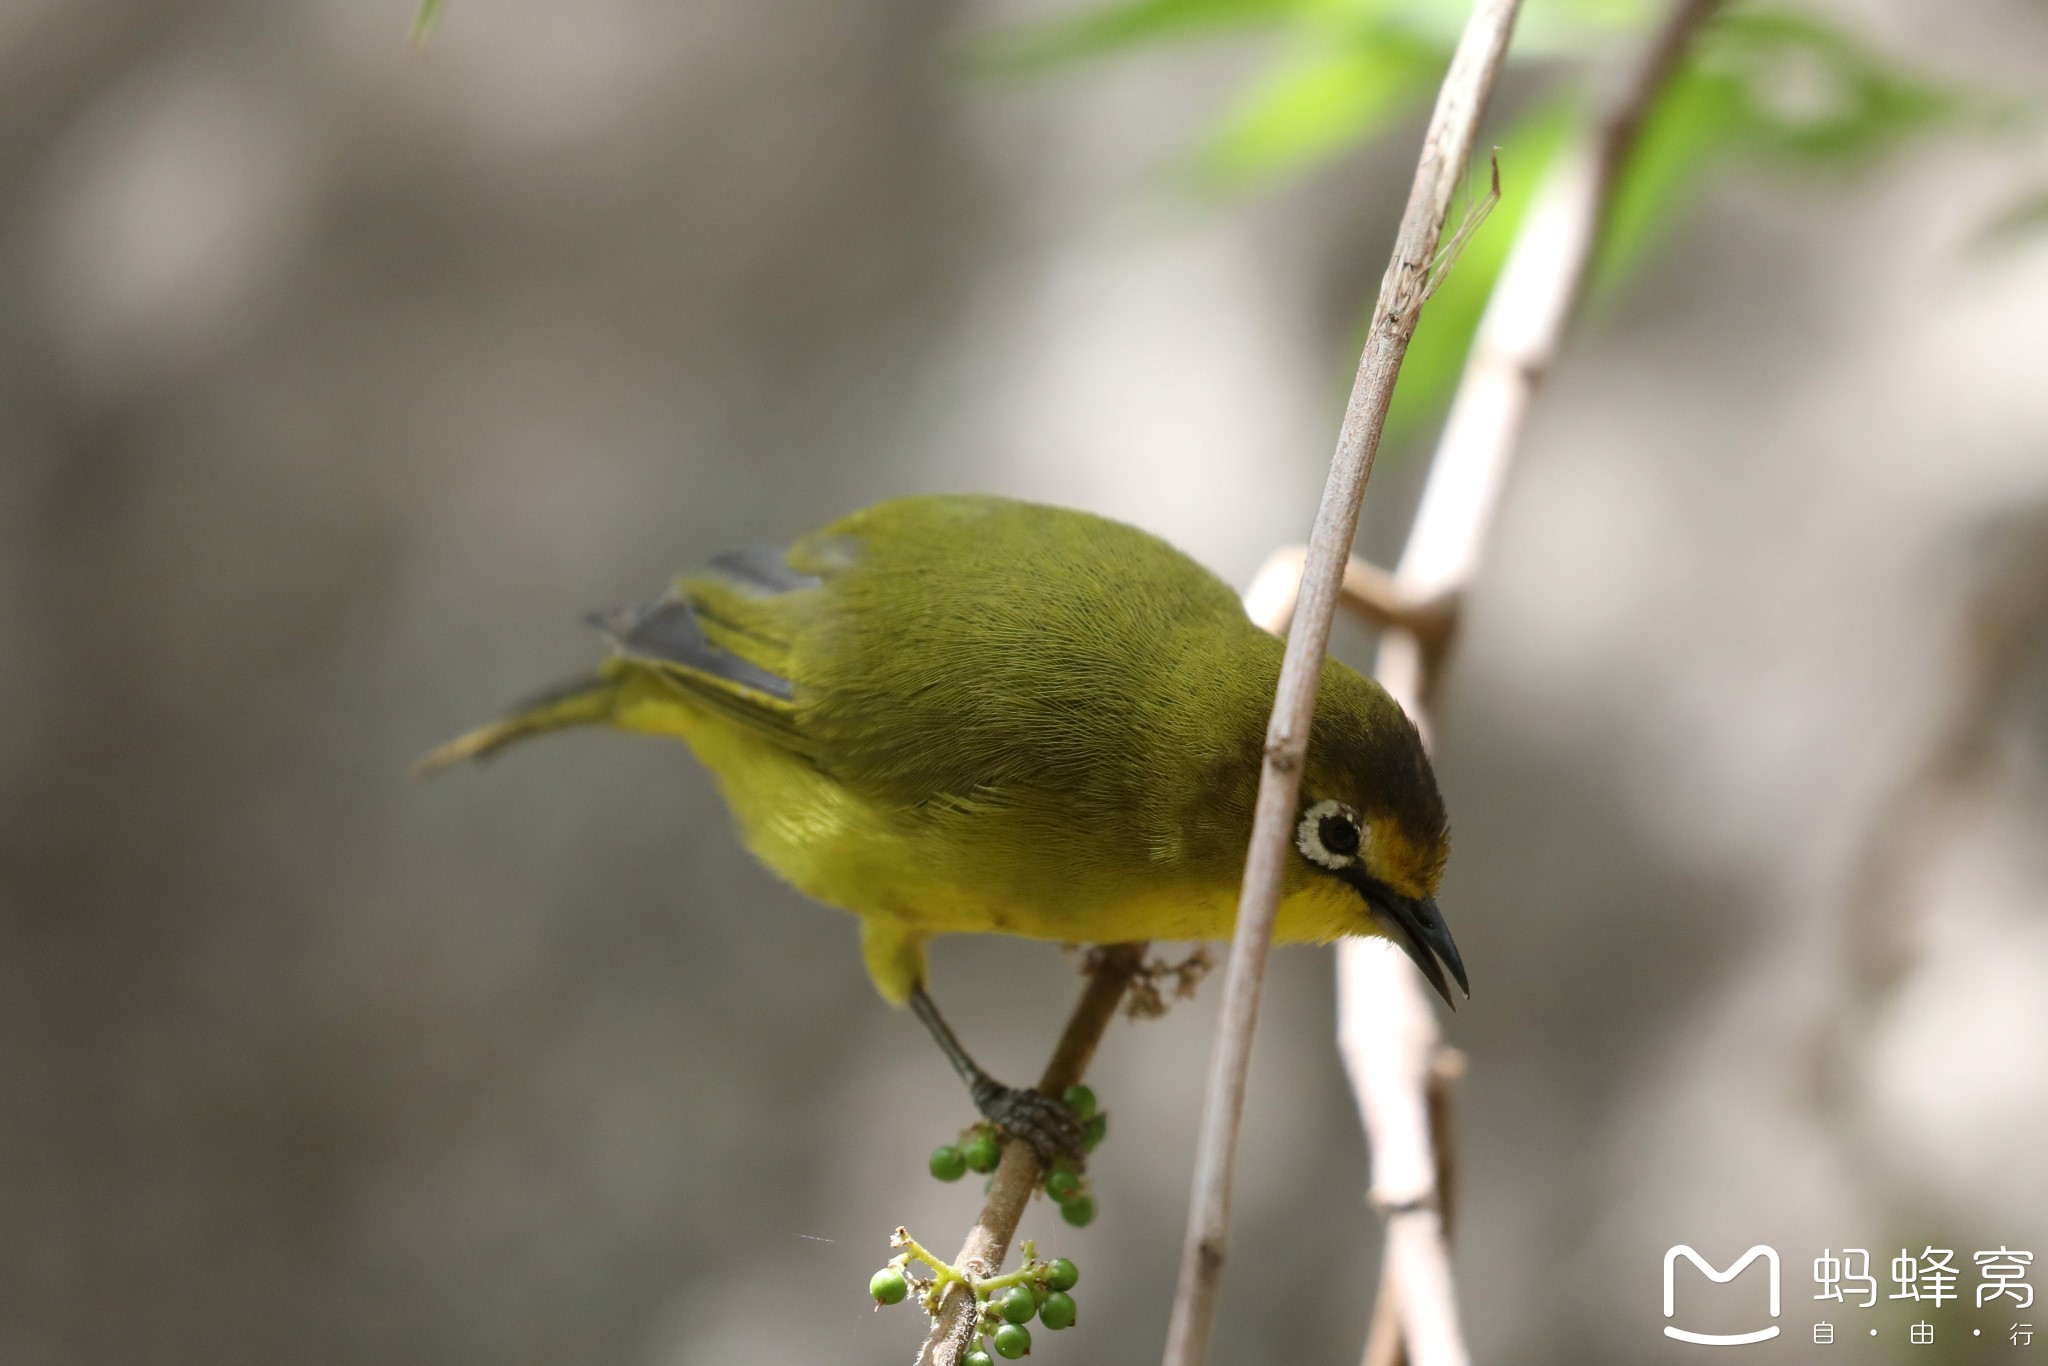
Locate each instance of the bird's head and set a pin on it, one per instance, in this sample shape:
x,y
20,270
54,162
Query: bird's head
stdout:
x,y
1370,817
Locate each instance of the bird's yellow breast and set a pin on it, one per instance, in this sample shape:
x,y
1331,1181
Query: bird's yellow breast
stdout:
x,y
965,872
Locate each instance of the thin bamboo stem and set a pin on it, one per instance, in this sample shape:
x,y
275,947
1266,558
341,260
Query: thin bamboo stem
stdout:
x,y
1446,152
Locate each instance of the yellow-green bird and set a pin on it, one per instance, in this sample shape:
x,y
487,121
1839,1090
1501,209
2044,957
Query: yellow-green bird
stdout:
x,y
960,714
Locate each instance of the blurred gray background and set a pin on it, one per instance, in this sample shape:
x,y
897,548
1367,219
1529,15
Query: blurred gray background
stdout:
x,y
336,383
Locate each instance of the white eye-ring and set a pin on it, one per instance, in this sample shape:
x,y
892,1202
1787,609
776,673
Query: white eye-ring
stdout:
x,y
1331,834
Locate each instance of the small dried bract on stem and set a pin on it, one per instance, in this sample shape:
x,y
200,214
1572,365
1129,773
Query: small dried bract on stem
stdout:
x,y
1159,983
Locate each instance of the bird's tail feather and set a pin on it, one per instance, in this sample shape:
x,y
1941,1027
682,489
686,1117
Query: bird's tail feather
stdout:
x,y
588,701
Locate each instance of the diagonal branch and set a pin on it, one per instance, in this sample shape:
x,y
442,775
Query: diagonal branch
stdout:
x,y
1018,1175
1387,1027
1446,150
1518,338
1399,1066
1368,591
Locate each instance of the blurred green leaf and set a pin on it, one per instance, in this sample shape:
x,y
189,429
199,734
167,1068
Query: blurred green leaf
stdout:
x,y
1550,27
1321,102
1763,81
1117,27
428,15
1545,29
1697,118
1814,93
1776,84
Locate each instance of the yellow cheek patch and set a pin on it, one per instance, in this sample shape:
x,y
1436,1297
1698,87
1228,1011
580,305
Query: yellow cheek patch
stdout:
x,y
1409,868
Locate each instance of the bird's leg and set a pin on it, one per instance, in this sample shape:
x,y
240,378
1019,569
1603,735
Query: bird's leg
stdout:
x,y
1043,1121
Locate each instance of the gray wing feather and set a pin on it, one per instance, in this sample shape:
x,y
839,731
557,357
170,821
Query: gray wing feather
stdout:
x,y
667,630
762,569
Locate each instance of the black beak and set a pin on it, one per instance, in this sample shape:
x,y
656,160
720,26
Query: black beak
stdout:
x,y
1418,927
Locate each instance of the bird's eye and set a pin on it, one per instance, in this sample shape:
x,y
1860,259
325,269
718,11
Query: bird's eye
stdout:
x,y
1331,834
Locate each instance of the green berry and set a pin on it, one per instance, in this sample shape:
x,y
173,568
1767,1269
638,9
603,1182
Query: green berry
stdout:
x,y
1081,1101
948,1164
1062,1275
1012,1340
1096,1129
888,1286
981,1153
977,1357
1059,1310
1017,1304
1062,1187
1079,1211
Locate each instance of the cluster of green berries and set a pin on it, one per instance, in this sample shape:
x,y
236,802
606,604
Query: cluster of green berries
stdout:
x,y
1041,1290
1094,1122
1046,1295
979,1150
1064,1186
